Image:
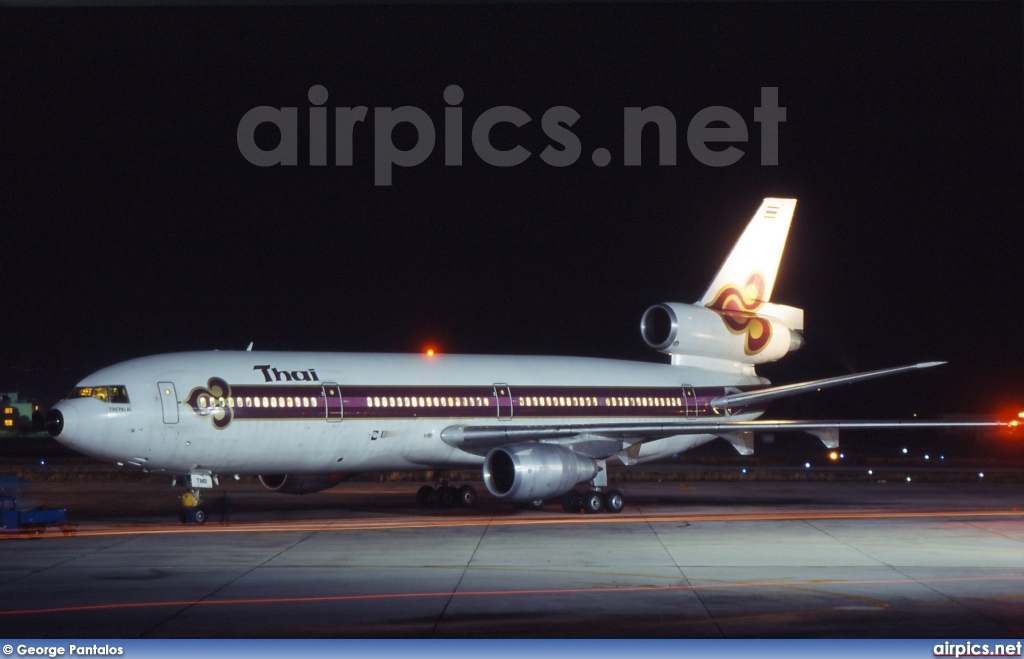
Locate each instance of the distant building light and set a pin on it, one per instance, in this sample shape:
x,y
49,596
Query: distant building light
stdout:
x,y
925,456
9,423
981,475
904,451
871,472
807,465
908,479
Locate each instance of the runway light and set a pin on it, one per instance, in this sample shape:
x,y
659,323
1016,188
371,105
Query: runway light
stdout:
x,y
925,456
833,456
904,451
908,479
871,472
744,470
981,475
841,456
942,457
42,462
807,465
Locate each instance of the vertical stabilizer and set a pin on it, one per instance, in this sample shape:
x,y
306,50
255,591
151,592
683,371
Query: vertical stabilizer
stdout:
x,y
754,261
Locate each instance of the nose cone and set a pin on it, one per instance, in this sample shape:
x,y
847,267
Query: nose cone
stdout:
x,y
61,422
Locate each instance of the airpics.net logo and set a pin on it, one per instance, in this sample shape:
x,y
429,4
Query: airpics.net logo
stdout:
x,y
711,134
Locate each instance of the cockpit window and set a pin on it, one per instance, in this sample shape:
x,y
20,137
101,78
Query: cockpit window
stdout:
x,y
109,394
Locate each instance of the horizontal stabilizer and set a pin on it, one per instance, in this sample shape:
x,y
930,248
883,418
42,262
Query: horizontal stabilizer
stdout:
x,y
765,395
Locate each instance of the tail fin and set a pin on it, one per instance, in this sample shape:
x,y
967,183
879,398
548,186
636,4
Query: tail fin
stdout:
x,y
746,279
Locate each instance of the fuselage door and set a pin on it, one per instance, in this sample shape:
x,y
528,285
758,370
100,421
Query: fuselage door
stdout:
x,y
690,401
503,401
169,401
332,398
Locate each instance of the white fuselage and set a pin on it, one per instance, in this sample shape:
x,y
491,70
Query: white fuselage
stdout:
x,y
302,412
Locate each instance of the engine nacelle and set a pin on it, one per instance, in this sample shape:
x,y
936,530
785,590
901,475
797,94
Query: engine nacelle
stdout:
x,y
532,471
299,483
694,330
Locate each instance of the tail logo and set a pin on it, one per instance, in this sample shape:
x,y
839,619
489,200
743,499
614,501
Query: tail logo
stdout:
x,y
737,307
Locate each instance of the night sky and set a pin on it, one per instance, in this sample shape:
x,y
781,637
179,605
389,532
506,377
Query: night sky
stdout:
x,y
132,224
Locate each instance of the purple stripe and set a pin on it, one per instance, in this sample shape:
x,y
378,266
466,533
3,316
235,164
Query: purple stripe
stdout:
x,y
363,401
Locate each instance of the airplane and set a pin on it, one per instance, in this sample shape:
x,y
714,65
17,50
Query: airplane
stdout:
x,y
537,427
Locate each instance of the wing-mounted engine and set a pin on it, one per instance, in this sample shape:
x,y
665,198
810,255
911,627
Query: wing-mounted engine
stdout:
x,y
533,470
688,331
299,483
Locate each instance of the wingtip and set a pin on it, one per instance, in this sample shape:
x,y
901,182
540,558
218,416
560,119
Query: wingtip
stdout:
x,y
930,364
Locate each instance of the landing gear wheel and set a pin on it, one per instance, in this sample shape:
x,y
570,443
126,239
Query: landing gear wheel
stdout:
x,y
572,502
199,515
427,496
613,501
466,497
536,504
593,502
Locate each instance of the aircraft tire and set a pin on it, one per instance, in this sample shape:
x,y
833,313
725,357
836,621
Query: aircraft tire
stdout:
x,y
593,502
572,502
466,497
199,515
614,501
427,496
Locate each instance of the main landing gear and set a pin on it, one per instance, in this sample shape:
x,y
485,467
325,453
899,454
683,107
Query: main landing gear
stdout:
x,y
594,501
445,495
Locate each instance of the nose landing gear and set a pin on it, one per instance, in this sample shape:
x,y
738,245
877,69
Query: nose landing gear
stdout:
x,y
192,512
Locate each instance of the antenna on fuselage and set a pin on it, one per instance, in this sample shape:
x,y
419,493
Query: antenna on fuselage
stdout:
x,y
249,349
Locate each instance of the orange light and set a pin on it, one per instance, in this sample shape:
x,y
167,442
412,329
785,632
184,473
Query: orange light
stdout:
x,y
1021,415
833,455
430,352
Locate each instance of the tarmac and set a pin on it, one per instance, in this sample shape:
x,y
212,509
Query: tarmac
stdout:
x,y
689,560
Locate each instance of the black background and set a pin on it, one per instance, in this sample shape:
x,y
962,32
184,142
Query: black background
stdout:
x,y
131,223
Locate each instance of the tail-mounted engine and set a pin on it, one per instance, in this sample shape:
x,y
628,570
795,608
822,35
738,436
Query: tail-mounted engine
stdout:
x,y
689,330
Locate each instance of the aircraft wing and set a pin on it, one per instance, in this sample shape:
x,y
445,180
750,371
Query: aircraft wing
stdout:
x,y
771,393
479,440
